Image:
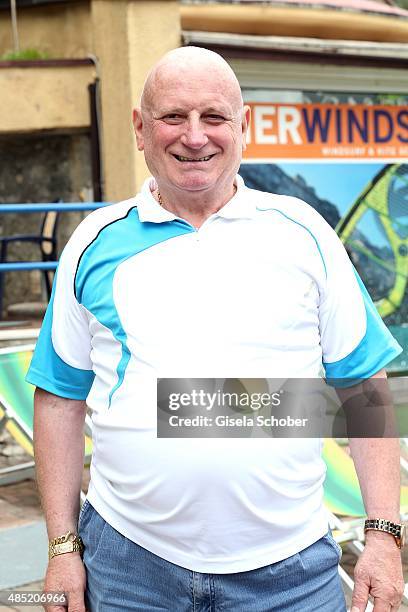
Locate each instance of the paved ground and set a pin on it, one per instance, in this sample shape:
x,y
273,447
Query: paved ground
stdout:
x,y
20,509
33,586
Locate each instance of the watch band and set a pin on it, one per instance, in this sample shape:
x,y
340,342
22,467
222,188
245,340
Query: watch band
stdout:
x,y
394,529
69,542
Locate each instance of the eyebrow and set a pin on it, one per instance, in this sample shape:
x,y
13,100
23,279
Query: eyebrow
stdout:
x,y
170,111
206,111
220,109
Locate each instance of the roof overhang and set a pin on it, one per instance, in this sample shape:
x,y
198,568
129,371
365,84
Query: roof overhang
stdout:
x,y
301,49
294,21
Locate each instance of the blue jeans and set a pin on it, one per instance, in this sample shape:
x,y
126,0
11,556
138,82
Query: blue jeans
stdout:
x,y
123,576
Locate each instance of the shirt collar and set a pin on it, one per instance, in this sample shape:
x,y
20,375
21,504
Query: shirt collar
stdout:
x,y
239,207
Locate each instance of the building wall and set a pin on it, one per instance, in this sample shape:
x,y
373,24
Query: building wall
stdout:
x,y
38,168
45,98
60,31
44,126
129,37
44,156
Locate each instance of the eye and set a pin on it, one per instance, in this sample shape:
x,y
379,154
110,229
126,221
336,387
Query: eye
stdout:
x,y
214,118
173,118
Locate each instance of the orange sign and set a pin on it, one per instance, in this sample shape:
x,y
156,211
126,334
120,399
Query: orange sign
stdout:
x,y
327,131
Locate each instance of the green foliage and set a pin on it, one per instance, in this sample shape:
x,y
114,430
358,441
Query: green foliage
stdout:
x,y
392,99
402,3
24,54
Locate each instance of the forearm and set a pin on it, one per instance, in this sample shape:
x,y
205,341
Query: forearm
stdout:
x,y
378,571
377,460
378,469
59,458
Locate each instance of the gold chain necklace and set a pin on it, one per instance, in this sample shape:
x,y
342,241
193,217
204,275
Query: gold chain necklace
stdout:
x,y
159,197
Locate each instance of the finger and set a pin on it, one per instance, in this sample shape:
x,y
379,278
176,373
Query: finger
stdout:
x,y
381,606
395,605
360,596
57,604
76,602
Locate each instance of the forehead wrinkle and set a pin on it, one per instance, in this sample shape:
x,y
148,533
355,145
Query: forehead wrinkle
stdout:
x,y
188,65
203,107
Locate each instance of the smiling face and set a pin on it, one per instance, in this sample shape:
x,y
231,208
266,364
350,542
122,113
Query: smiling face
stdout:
x,y
192,127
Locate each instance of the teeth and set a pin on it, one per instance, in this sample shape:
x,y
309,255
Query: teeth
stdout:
x,y
189,159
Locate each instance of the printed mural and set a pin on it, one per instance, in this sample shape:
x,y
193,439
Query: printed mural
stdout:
x,y
345,157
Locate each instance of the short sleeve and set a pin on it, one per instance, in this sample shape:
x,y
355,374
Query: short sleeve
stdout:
x,y
61,362
355,341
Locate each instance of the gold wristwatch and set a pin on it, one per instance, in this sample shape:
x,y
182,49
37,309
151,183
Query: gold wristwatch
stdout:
x,y
70,542
394,529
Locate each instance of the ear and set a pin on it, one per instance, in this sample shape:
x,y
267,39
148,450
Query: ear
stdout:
x,y
138,127
246,117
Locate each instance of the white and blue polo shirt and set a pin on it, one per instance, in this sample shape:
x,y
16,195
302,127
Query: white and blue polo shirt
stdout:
x,y
264,288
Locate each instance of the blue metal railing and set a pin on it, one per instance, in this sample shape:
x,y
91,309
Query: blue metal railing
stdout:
x,y
57,206
40,208
45,207
27,265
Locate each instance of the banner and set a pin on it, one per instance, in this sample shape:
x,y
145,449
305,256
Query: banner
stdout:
x,y
345,154
327,131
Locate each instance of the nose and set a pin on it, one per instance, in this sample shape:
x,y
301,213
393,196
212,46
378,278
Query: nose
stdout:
x,y
194,136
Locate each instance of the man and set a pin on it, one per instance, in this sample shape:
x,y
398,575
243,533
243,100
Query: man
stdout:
x,y
199,276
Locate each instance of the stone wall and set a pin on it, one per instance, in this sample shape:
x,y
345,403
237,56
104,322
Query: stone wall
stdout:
x,y
40,168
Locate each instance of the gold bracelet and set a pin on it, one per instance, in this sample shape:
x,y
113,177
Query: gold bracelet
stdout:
x,y
70,542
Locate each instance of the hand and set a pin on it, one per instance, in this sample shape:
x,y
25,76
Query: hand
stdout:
x,y
66,574
378,573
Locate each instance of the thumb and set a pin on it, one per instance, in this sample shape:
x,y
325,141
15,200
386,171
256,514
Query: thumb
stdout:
x,y
360,596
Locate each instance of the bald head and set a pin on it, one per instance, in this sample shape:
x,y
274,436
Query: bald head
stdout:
x,y
191,126
188,63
